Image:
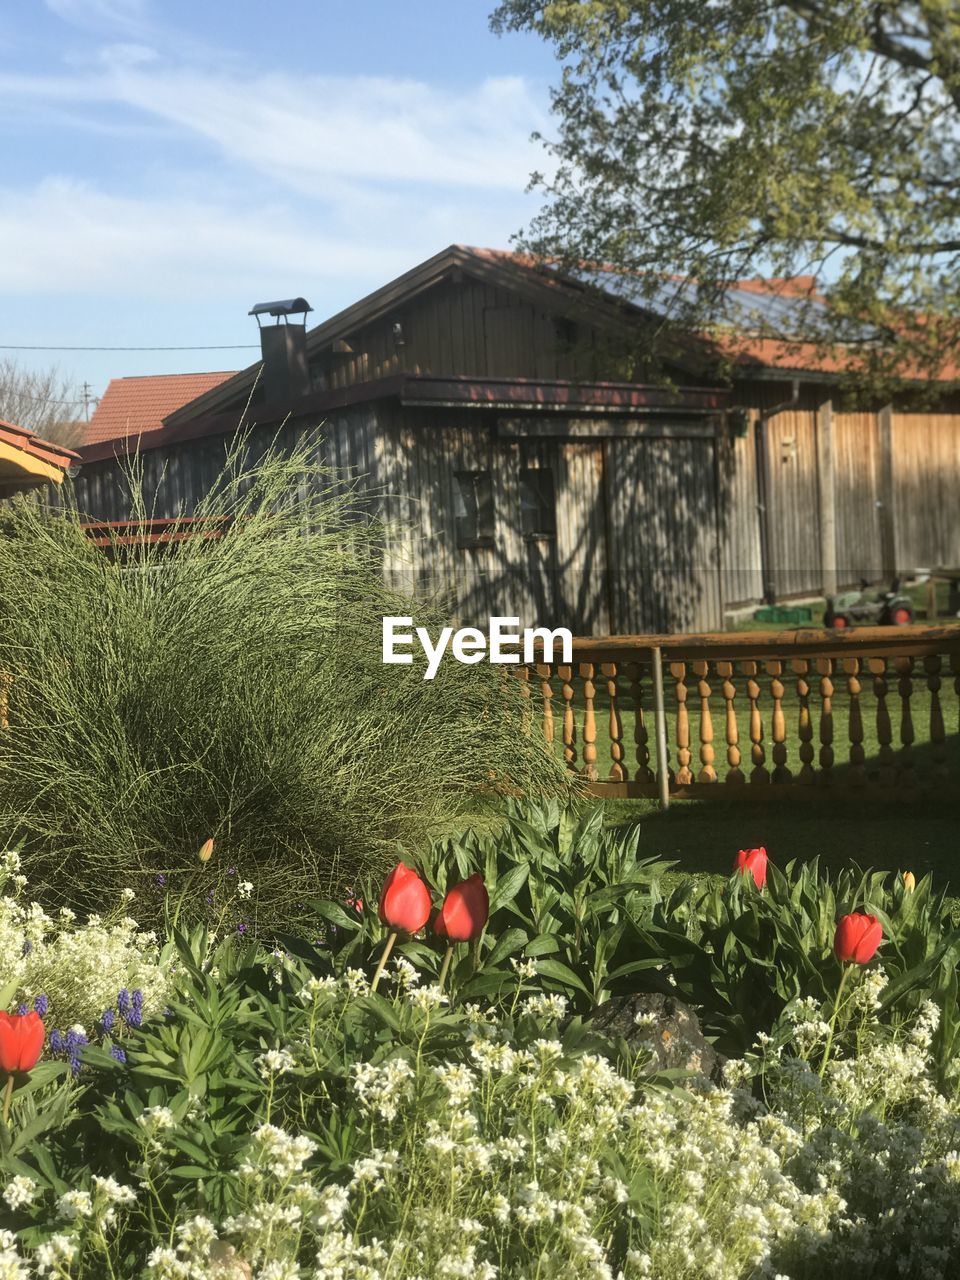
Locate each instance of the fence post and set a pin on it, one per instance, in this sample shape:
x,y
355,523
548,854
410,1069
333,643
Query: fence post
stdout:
x,y
663,778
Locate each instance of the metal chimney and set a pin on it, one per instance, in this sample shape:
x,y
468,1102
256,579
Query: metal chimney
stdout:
x,y
286,374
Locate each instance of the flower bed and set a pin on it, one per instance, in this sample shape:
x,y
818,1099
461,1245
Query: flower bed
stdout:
x,y
310,1109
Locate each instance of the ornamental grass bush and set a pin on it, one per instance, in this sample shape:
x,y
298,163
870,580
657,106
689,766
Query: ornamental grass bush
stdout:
x,y
233,688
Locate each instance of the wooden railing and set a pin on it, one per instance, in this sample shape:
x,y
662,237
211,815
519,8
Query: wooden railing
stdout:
x,y
758,713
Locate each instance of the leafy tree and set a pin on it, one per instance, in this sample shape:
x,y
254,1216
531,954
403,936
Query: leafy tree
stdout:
x,y
722,139
41,400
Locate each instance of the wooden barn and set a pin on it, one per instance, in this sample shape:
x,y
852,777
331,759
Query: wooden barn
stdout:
x,y
527,470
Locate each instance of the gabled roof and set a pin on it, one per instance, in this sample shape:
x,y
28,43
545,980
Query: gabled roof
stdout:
x,y
26,461
607,296
507,270
132,406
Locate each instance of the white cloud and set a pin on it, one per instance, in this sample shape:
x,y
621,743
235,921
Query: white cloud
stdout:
x,y
98,14
69,238
267,182
303,133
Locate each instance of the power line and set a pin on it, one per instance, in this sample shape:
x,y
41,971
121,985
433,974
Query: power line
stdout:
x,y
21,395
244,346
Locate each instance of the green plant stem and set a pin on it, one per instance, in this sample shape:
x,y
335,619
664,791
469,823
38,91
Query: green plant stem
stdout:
x,y
445,966
833,1021
7,1098
391,939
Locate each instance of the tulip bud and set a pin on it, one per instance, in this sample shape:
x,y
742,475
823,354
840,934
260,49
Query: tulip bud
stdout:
x,y
909,882
206,850
752,862
464,912
21,1040
857,937
405,900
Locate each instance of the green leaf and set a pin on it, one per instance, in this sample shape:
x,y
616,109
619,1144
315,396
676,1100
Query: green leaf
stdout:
x,y
507,944
560,972
508,886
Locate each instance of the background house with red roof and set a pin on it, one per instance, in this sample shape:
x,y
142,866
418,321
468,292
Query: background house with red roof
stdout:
x,y
135,406
498,411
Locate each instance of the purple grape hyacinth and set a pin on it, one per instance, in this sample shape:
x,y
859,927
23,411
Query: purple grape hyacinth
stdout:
x,y
41,1005
75,1040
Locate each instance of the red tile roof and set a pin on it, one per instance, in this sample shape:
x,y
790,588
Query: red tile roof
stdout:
x,y
131,406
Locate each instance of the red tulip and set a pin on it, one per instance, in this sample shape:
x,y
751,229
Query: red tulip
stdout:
x,y
753,861
857,938
464,912
21,1039
405,900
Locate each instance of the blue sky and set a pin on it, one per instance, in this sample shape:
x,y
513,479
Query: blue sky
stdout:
x,y
167,164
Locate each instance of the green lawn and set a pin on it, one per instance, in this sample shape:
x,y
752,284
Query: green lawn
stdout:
x,y
704,836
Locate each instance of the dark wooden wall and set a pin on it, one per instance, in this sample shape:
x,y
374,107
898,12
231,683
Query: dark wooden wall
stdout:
x,y
470,328
657,525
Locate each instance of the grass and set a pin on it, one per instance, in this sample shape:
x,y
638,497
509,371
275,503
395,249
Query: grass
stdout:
x,y
704,836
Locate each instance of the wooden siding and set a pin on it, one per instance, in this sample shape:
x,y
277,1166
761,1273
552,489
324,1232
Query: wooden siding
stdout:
x,y
653,533
857,479
469,328
738,527
926,487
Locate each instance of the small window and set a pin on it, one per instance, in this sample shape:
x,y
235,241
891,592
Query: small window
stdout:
x,y
474,508
538,507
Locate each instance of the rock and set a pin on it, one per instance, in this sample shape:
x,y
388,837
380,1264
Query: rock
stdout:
x,y
663,1025
226,1263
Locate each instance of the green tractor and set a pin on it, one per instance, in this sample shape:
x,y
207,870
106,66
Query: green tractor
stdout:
x,y
858,609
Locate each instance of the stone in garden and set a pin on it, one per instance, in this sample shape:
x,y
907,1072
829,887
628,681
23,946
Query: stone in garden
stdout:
x,y
226,1263
664,1026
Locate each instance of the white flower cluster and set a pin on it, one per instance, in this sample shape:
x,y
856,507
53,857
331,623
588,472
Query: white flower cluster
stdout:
x,y
79,967
518,1156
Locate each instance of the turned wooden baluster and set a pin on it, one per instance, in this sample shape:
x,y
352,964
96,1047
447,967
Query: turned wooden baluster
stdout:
x,y
908,777
858,772
587,670
526,716
933,665
569,723
825,669
778,724
545,671
641,736
708,773
618,770
806,776
732,731
887,765
759,773
684,777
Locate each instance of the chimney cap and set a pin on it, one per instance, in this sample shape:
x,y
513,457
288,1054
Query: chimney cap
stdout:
x,y
286,307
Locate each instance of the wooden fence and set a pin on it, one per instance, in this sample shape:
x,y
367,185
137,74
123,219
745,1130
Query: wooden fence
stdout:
x,y
758,714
